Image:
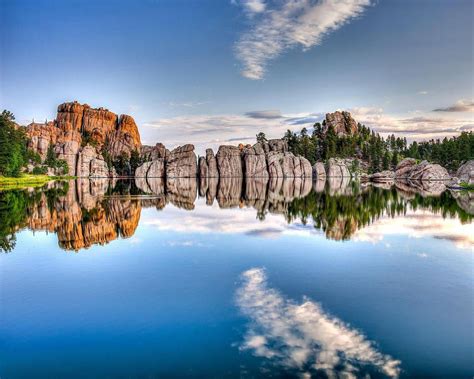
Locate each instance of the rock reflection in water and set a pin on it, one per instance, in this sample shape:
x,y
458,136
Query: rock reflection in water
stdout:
x,y
87,212
302,338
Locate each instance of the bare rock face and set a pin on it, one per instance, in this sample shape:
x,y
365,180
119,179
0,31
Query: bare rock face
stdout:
x,y
337,168
91,164
277,145
70,116
67,147
274,162
255,162
465,173
125,139
182,163
229,162
75,124
383,177
428,171
98,124
342,122
319,171
203,168
157,169
286,165
152,169
142,170
40,136
150,153
405,167
211,160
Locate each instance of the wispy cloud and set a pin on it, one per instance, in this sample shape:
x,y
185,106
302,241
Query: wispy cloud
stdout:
x,y
186,104
303,337
416,127
264,114
281,26
423,93
460,106
213,130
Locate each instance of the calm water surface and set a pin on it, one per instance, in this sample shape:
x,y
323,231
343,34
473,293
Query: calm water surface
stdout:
x,y
231,279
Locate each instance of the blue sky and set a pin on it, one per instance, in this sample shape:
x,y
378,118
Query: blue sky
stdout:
x,y
220,71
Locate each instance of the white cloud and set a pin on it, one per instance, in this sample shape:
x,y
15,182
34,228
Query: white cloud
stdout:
x,y
303,337
213,130
251,7
285,25
420,224
460,106
417,126
423,93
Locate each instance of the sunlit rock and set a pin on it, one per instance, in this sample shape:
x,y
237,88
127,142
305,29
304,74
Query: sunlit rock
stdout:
x,y
182,163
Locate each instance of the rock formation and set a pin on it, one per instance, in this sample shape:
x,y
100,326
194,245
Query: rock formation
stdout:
x,y
465,173
182,163
91,164
382,177
229,162
408,169
255,162
319,172
337,167
341,122
79,125
404,167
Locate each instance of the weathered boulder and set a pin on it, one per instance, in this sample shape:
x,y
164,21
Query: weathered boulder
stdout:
x,y
142,170
211,160
91,164
336,167
255,162
182,163
465,173
319,171
152,169
203,168
277,145
383,177
341,122
405,167
156,169
428,171
150,153
274,162
229,162
286,165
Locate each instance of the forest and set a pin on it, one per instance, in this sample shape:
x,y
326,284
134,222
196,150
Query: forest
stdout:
x,y
380,153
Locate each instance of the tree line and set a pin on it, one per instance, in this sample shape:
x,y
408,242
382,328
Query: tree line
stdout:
x,y
378,152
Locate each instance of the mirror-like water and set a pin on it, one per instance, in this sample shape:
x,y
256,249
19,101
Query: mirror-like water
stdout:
x,y
235,279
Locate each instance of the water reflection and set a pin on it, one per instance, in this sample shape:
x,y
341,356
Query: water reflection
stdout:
x,y
302,338
86,212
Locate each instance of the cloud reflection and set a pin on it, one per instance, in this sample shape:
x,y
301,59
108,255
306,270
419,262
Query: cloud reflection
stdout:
x,y
303,337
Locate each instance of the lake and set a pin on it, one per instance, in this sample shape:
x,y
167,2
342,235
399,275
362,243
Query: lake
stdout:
x,y
247,279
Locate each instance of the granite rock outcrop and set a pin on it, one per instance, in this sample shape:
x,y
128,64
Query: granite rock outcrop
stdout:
x,y
78,126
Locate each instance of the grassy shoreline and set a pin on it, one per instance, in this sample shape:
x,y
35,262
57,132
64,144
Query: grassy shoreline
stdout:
x,y
28,181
